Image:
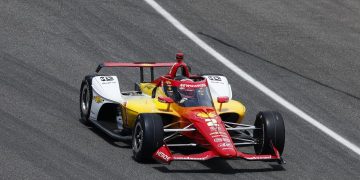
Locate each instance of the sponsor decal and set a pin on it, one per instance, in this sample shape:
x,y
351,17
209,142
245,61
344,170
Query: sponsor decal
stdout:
x,y
98,99
211,122
222,139
216,128
148,87
218,133
168,82
145,65
111,82
192,85
260,157
206,115
226,140
219,136
213,128
163,156
211,114
192,158
224,145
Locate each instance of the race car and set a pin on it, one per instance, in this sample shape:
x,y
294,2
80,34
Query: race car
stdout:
x,y
178,109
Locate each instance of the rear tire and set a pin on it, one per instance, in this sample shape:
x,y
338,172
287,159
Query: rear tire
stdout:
x,y
148,136
85,101
271,130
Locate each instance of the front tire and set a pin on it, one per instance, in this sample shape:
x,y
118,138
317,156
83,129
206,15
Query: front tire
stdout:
x,y
270,129
148,135
85,101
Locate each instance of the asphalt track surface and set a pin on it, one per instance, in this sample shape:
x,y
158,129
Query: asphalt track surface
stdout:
x,y
306,51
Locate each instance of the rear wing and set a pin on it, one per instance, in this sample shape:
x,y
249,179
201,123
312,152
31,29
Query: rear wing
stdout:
x,y
140,65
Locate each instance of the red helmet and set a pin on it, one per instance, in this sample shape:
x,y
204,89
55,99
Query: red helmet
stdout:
x,y
186,92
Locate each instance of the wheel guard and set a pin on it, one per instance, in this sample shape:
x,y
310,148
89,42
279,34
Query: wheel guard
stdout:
x,y
164,155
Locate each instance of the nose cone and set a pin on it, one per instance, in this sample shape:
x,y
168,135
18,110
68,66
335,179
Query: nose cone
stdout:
x,y
211,127
223,146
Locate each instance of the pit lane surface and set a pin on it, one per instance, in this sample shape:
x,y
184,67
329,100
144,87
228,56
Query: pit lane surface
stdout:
x,y
305,51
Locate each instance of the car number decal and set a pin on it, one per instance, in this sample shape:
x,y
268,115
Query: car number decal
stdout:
x,y
214,78
106,78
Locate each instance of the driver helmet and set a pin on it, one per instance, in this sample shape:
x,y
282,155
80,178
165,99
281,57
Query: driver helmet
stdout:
x,y
186,92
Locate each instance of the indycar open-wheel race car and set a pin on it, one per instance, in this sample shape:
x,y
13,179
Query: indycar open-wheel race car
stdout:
x,y
178,110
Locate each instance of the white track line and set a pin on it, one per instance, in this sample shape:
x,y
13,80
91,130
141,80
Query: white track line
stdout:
x,y
250,79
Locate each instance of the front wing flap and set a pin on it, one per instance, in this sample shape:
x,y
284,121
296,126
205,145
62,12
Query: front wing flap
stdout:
x,y
164,155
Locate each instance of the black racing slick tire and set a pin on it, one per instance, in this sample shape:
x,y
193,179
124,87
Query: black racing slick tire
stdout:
x,y
85,100
148,136
270,131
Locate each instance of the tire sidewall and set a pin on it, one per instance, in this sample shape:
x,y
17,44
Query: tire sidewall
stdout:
x,y
152,127
85,117
138,153
272,126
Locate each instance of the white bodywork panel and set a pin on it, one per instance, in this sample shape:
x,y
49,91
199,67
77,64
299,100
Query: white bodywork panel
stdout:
x,y
219,86
96,105
106,89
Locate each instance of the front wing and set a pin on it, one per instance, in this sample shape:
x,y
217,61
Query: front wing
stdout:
x,y
164,155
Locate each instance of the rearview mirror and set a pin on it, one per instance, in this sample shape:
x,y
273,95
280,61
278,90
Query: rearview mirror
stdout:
x,y
223,99
165,99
